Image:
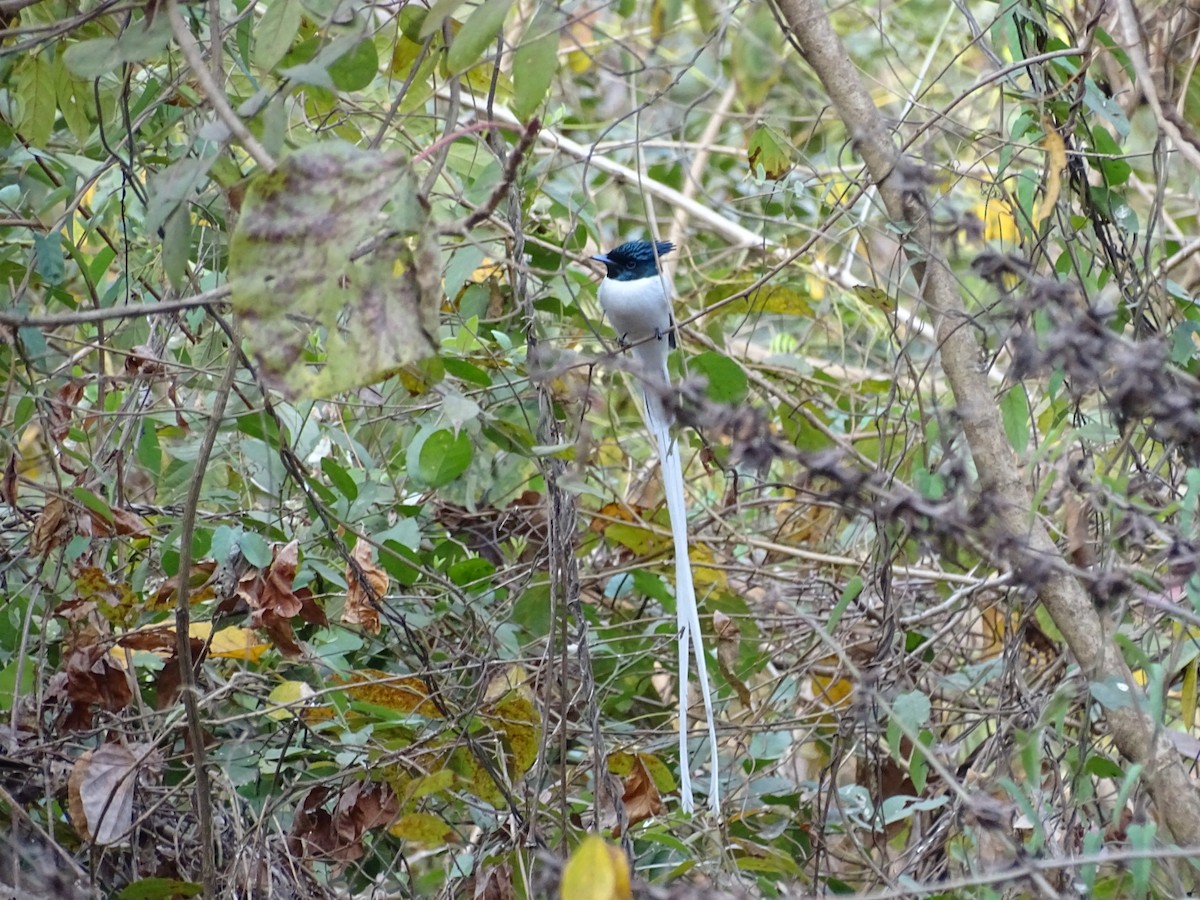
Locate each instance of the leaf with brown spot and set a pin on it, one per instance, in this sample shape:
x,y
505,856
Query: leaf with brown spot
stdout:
x,y
115,601
402,693
641,798
198,590
361,608
516,717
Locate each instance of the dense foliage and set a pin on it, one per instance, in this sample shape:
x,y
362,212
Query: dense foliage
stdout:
x,y
334,551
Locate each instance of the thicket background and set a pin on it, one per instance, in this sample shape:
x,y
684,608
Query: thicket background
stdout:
x,y
334,557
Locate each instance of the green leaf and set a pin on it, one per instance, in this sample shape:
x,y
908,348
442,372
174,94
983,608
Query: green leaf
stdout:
x,y
1109,157
853,588
73,99
470,572
94,502
438,13
476,35
35,88
755,55
1014,411
339,478
255,548
357,68
727,382
306,250
1111,694
91,59
534,64
275,32
48,257
444,456
177,246
771,150
1102,767
909,712
160,889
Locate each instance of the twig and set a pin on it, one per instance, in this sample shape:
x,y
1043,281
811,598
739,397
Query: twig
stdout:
x,y
134,311
187,675
212,91
1141,66
484,210
699,164
1134,731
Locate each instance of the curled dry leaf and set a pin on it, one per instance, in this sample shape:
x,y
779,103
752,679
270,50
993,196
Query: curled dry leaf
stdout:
x,y
495,884
142,360
274,602
360,808
53,527
642,799
93,678
361,604
100,791
62,407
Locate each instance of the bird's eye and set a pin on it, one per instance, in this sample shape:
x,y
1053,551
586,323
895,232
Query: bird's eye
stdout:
x,y
629,264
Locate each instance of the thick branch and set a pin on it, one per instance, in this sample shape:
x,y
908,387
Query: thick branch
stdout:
x,y
1134,732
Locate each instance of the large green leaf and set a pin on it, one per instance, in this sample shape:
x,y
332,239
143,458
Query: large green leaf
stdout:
x,y
336,238
534,64
477,34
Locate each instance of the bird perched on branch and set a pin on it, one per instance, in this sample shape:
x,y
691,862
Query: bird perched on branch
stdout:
x,y
636,297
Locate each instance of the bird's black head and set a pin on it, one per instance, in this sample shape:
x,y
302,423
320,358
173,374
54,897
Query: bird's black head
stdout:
x,y
634,260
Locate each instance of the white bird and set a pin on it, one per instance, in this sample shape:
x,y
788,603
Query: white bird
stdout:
x,y
636,297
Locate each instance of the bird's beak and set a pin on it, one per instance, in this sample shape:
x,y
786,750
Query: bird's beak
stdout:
x,y
601,258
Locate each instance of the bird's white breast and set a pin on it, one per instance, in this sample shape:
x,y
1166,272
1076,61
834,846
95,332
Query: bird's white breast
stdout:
x,y
637,309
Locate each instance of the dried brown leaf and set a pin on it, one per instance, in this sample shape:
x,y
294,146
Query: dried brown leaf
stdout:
x,y
642,799
360,608
100,792
52,528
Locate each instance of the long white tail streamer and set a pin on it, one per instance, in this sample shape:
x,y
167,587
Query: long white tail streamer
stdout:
x,y
654,358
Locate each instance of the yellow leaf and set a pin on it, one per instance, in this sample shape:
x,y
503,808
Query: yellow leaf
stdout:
x,y
596,871
488,269
703,574
288,692
234,643
422,828
830,687
1056,149
402,693
999,224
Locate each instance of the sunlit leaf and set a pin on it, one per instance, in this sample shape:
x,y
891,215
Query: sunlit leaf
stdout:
x,y
596,871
